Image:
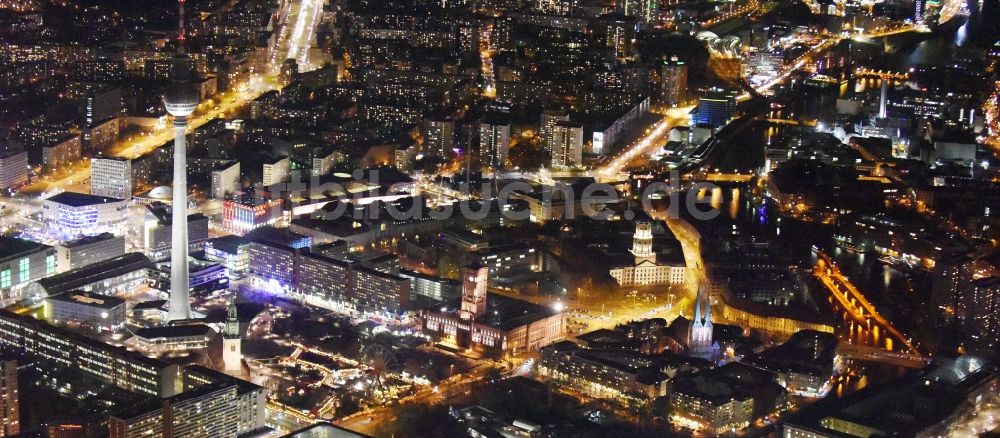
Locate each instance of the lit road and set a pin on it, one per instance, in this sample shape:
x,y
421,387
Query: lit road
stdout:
x,y
486,58
648,143
801,61
295,42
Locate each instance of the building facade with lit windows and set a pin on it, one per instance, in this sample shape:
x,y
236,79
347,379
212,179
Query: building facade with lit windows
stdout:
x,y
247,213
69,215
111,177
493,324
10,402
86,250
100,312
21,262
13,168
622,375
117,366
494,142
61,153
225,179
231,251
673,82
115,276
157,232
566,144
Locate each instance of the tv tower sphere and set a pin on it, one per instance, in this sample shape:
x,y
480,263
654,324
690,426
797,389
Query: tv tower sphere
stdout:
x,y
180,97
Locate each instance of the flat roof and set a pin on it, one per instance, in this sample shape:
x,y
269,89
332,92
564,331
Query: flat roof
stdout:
x,y
502,312
12,248
88,299
74,199
905,406
325,430
176,331
94,272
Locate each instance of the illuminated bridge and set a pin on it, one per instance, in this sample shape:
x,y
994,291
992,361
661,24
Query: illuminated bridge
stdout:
x,y
866,327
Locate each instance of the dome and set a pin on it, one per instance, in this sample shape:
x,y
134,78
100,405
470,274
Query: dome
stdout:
x,y
161,193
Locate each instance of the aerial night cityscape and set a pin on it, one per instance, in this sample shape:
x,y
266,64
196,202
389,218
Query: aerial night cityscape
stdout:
x,y
499,218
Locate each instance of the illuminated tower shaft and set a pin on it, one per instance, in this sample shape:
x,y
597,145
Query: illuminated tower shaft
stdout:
x,y
180,307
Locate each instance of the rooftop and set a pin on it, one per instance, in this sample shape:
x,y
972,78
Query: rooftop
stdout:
x,y
13,248
502,312
74,199
95,272
907,406
324,430
176,331
88,299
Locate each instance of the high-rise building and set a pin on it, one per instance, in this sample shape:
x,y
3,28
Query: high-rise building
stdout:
x,y
111,177
620,34
10,412
645,10
716,108
13,168
276,171
439,137
225,179
473,291
494,141
547,124
566,144
673,82
950,282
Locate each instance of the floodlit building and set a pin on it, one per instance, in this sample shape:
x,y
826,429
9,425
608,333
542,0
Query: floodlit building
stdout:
x,y
247,212
646,270
494,324
231,251
70,215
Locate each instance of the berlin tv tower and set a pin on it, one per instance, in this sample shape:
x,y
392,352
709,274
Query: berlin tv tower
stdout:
x,y
180,98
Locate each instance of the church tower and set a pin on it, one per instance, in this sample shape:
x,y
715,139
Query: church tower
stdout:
x,y
232,340
473,291
700,333
642,242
